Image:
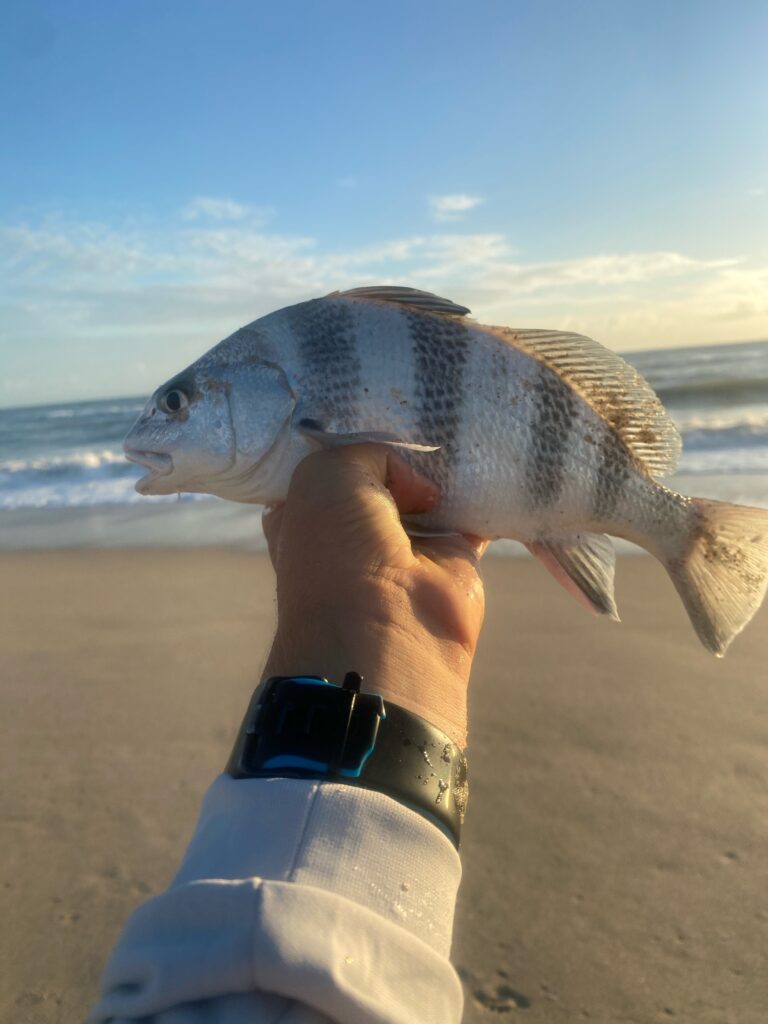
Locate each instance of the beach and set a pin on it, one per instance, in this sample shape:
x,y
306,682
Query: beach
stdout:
x,y
520,246
614,850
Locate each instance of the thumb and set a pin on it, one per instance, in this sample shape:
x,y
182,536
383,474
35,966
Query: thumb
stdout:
x,y
457,553
411,492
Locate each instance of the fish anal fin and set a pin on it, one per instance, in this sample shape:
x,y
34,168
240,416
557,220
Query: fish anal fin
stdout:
x,y
404,296
612,387
327,439
584,566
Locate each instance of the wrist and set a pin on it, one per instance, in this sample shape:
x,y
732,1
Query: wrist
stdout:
x,y
400,660
308,727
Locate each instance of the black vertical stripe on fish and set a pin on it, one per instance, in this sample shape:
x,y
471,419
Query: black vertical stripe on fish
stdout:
x,y
555,414
441,351
332,382
613,470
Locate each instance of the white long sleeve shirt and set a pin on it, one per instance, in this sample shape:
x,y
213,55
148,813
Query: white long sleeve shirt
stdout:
x,y
298,902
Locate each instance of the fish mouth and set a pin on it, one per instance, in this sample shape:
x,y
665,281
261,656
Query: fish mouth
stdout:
x,y
158,464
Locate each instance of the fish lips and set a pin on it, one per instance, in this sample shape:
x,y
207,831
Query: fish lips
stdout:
x,y
158,463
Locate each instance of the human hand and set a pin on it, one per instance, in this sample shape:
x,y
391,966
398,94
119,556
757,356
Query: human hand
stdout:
x,y
354,593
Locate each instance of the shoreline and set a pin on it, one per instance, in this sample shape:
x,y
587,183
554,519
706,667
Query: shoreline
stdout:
x,y
211,522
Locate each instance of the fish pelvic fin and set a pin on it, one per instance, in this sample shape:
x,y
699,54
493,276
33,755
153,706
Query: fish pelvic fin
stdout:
x,y
721,574
584,565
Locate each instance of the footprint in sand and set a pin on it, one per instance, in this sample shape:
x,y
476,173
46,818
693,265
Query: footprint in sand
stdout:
x,y
501,998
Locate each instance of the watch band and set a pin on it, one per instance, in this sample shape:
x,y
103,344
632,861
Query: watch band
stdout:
x,y
306,727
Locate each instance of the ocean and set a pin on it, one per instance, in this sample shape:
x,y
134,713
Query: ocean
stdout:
x,y
64,481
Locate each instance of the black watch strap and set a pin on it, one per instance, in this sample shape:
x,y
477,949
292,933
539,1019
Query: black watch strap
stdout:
x,y
306,727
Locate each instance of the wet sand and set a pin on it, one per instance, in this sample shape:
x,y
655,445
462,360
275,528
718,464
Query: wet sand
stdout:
x,y
616,845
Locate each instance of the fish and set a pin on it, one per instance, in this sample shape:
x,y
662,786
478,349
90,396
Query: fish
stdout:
x,y
541,436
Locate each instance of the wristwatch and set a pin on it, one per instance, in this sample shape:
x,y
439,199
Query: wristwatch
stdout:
x,y
307,727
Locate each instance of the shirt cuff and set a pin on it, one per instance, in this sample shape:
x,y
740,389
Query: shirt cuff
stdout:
x,y
333,895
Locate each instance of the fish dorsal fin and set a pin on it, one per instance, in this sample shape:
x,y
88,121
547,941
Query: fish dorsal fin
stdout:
x,y
404,296
612,387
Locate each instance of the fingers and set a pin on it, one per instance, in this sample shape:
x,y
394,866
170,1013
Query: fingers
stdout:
x,y
348,500
411,492
347,475
342,469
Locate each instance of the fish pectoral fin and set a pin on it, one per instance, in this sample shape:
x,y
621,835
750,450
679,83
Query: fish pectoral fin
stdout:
x,y
583,564
327,439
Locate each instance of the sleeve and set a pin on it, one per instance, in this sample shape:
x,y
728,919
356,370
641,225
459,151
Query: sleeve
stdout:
x,y
298,901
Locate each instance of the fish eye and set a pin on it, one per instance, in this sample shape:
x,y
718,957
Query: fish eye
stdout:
x,y
175,400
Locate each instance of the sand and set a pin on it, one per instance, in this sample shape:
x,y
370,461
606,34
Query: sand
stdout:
x,y
616,845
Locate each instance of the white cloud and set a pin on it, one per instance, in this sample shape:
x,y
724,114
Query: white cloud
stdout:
x,y
74,248
452,207
124,306
600,271
218,209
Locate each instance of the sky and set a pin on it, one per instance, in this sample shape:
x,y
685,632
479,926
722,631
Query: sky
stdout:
x,y
170,171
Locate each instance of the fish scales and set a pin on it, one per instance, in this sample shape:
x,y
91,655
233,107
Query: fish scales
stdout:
x,y
388,399
556,413
540,436
331,368
613,472
441,350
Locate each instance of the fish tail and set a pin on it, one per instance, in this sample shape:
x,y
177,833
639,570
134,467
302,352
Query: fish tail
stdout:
x,y
720,568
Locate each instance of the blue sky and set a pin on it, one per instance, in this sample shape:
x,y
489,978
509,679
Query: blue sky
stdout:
x,y
172,170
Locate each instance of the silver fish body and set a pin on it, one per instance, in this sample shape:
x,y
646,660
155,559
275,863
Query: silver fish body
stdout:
x,y
539,436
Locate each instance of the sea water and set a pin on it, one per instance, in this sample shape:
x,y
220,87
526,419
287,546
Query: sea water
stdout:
x,y
64,479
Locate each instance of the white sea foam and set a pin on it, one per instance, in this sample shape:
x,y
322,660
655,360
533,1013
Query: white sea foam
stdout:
x,y
63,463
77,478
750,418
67,456
88,493
724,460
95,409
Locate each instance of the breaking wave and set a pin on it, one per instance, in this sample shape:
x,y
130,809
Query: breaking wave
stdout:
x,y
80,478
715,376
70,454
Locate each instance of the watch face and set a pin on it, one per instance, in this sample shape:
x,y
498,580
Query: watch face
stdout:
x,y
305,725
